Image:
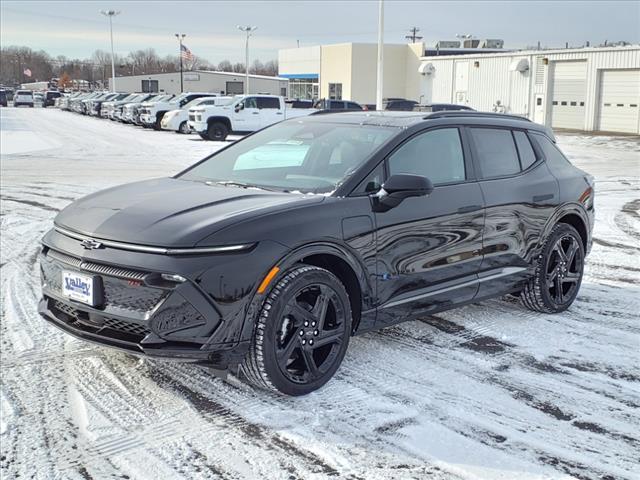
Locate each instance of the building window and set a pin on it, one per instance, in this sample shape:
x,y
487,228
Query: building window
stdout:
x,y
303,88
335,91
149,86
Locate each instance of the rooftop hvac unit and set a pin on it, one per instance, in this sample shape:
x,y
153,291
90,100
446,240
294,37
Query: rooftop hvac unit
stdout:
x,y
492,43
471,43
448,44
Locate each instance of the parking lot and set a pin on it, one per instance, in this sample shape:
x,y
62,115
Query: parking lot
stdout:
x,y
487,391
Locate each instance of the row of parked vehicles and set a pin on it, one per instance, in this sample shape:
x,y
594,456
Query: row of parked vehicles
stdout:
x,y
210,115
29,98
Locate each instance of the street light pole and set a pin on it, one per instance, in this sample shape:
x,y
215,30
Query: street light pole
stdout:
x,y
247,30
380,55
180,37
111,14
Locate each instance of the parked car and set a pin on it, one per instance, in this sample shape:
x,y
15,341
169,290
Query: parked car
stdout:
x,y
50,98
151,113
275,250
297,103
327,105
439,107
3,98
131,111
95,108
246,113
398,104
23,97
38,98
178,120
108,108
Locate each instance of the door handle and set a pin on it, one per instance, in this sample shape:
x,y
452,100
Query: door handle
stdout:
x,y
542,198
256,113
470,208
278,113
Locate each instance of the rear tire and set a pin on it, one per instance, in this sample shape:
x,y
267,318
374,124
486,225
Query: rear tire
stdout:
x,y
301,333
558,272
217,131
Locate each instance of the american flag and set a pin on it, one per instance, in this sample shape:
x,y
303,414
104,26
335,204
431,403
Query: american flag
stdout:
x,y
27,72
185,53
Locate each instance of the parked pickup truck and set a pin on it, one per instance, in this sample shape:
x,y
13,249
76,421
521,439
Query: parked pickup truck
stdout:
x,y
151,113
178,120
246,113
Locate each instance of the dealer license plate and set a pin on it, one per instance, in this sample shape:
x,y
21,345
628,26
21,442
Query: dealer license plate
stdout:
x,y
78,287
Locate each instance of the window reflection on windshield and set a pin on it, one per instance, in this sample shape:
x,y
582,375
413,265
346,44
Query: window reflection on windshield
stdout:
x,y
309,157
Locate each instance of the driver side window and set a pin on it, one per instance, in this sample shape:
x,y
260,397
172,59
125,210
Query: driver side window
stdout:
x,y
435,154
250,102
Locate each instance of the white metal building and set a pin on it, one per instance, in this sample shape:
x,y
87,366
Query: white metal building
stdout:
x,y
591,89
226,83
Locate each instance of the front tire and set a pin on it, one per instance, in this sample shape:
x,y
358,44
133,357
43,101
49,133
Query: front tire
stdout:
x,y
217,131
558,272
301,333
184,128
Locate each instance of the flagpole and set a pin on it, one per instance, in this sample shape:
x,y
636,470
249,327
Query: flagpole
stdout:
x,y
180,37
380,72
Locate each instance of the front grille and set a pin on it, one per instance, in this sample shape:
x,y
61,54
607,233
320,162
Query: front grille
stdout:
x,y
122,326
96,267
122,287
100,324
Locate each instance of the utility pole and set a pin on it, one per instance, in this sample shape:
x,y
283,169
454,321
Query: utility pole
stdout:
x,y
247,30
111,14
380,55
414,35
180,37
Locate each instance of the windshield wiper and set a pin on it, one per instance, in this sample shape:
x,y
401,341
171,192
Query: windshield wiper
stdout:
x,y
232,183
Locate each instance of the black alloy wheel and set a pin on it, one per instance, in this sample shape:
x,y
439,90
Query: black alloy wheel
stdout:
x,y
564,269
558,272
301,334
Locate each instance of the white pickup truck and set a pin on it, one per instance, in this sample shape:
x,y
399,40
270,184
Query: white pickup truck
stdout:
x,y
151,113
246,113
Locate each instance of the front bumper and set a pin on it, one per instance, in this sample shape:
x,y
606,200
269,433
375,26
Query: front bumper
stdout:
x,y
147,119
140,313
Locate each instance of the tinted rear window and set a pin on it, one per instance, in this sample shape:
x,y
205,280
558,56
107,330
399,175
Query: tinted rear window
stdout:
x,y
496,152
527,155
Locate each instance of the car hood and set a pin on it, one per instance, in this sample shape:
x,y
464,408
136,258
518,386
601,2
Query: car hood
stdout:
x,y
171,212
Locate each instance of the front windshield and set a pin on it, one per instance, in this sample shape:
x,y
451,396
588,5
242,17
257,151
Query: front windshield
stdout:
x,y
178,99
311,157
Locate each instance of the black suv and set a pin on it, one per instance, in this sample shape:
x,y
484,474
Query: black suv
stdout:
x,y
265,257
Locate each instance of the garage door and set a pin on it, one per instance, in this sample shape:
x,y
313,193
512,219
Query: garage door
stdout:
x,y
619,102
568,92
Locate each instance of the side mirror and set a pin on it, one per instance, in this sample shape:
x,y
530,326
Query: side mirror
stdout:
x,y
239,107
397,188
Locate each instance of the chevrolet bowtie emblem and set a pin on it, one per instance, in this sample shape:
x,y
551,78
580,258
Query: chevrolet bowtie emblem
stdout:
x,y
90,244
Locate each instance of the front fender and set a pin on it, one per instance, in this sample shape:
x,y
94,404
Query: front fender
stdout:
x,y
296,255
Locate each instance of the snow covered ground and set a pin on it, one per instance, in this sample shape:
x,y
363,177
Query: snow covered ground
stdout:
x,y
487,391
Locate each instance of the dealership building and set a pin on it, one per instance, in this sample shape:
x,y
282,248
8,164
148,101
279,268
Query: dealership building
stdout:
x,y
590,89
225,83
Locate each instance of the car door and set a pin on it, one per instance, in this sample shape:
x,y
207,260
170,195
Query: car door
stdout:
x,y
270,111
247,119
429,248
520,195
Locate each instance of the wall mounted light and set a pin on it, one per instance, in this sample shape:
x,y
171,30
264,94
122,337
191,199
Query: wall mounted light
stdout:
x,y
476,64
545,60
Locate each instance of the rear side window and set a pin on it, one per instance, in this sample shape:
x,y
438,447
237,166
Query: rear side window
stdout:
x,y
268,102
527,155
435,154
354,106
496,152
551,153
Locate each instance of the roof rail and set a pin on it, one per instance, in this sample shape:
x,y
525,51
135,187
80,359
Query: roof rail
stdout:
x,y
472,113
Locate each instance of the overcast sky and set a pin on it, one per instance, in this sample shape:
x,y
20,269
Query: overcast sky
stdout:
x,y
76,29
